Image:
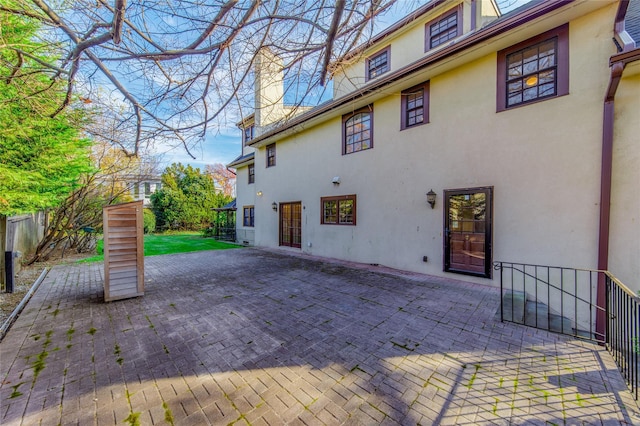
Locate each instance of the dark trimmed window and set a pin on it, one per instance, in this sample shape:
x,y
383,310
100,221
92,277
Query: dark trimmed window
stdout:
x,y
271,155
247,216
357,130
415,106
339,210
534,70
252,173
247,133
379,63
442,29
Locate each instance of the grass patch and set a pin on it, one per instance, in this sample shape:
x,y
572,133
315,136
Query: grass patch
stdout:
x,y
156,244
168,416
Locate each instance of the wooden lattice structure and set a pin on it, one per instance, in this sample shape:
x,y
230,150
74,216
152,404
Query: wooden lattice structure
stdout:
x,y
123,251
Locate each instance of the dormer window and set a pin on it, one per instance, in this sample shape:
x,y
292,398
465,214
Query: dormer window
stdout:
x,y
442,29
379,63
247,133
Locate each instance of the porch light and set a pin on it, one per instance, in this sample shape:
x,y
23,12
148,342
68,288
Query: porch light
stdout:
x,y
259,193
431,198
274,206
531,81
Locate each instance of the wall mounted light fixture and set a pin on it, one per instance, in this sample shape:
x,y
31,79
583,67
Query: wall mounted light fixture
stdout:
x,y
274,206
336,180
259,193
431,198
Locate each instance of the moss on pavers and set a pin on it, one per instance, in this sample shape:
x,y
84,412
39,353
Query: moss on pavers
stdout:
x,y
329,347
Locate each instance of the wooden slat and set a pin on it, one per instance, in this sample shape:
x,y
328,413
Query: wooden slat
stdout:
x,y
123,248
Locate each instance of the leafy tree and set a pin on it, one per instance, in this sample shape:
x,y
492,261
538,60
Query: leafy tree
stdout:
x,y
41,157
73,223
186,199
224,178
149,220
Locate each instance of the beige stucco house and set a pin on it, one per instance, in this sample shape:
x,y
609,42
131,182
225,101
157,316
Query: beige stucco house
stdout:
x,y
457,138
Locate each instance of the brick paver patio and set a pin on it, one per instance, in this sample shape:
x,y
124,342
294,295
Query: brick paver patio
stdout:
x,y
260,337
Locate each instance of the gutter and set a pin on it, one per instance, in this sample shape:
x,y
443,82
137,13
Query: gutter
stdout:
x,y
617,64
486,33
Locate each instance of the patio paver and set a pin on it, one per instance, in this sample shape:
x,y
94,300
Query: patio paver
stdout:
x,y
259,337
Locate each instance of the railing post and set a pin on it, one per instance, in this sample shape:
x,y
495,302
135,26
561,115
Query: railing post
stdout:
x,y
496,266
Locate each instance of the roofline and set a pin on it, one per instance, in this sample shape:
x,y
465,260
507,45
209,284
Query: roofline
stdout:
x,y
245,120
241,161
395,27
500,26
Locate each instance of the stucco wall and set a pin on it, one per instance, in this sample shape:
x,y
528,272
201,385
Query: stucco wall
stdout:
x,y
246,196
408,44
542,160
624,250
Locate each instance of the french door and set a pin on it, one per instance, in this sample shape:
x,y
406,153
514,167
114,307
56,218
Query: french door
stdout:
x,y
291,224
467,231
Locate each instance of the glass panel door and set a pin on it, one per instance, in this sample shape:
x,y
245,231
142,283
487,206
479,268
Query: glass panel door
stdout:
x,y
291,224
468,231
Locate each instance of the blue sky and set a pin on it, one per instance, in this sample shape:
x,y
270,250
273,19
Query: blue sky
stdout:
x,y
222,145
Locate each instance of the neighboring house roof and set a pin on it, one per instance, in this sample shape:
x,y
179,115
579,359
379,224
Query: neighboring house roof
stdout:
x,y
632,21
520,16
243,160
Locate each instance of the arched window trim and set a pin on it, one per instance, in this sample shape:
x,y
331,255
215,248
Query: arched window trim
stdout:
x,y
367,110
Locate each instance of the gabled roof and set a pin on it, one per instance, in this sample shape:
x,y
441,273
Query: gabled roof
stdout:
x,y
243,160
227,207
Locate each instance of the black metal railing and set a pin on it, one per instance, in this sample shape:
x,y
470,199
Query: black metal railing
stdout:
x,y
565,300
622,329
224,233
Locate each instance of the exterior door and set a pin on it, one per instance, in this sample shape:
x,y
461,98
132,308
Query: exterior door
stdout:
x,y
291,224
467,236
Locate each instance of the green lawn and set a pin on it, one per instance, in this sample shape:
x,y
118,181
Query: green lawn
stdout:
x,y
155,244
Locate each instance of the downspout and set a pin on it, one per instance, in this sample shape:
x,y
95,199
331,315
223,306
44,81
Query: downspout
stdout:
x,y
625,43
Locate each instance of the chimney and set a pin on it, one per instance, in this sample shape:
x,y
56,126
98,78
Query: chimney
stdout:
x,y
269,94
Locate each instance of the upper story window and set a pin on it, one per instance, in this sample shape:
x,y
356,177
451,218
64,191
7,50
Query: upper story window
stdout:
x,y
248,216
247,133
252,173
415,106
534,70
357,130
379,63
271,155
338,210
444,28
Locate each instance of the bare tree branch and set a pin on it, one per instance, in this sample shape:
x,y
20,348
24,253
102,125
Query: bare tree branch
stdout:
x,y
169,69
